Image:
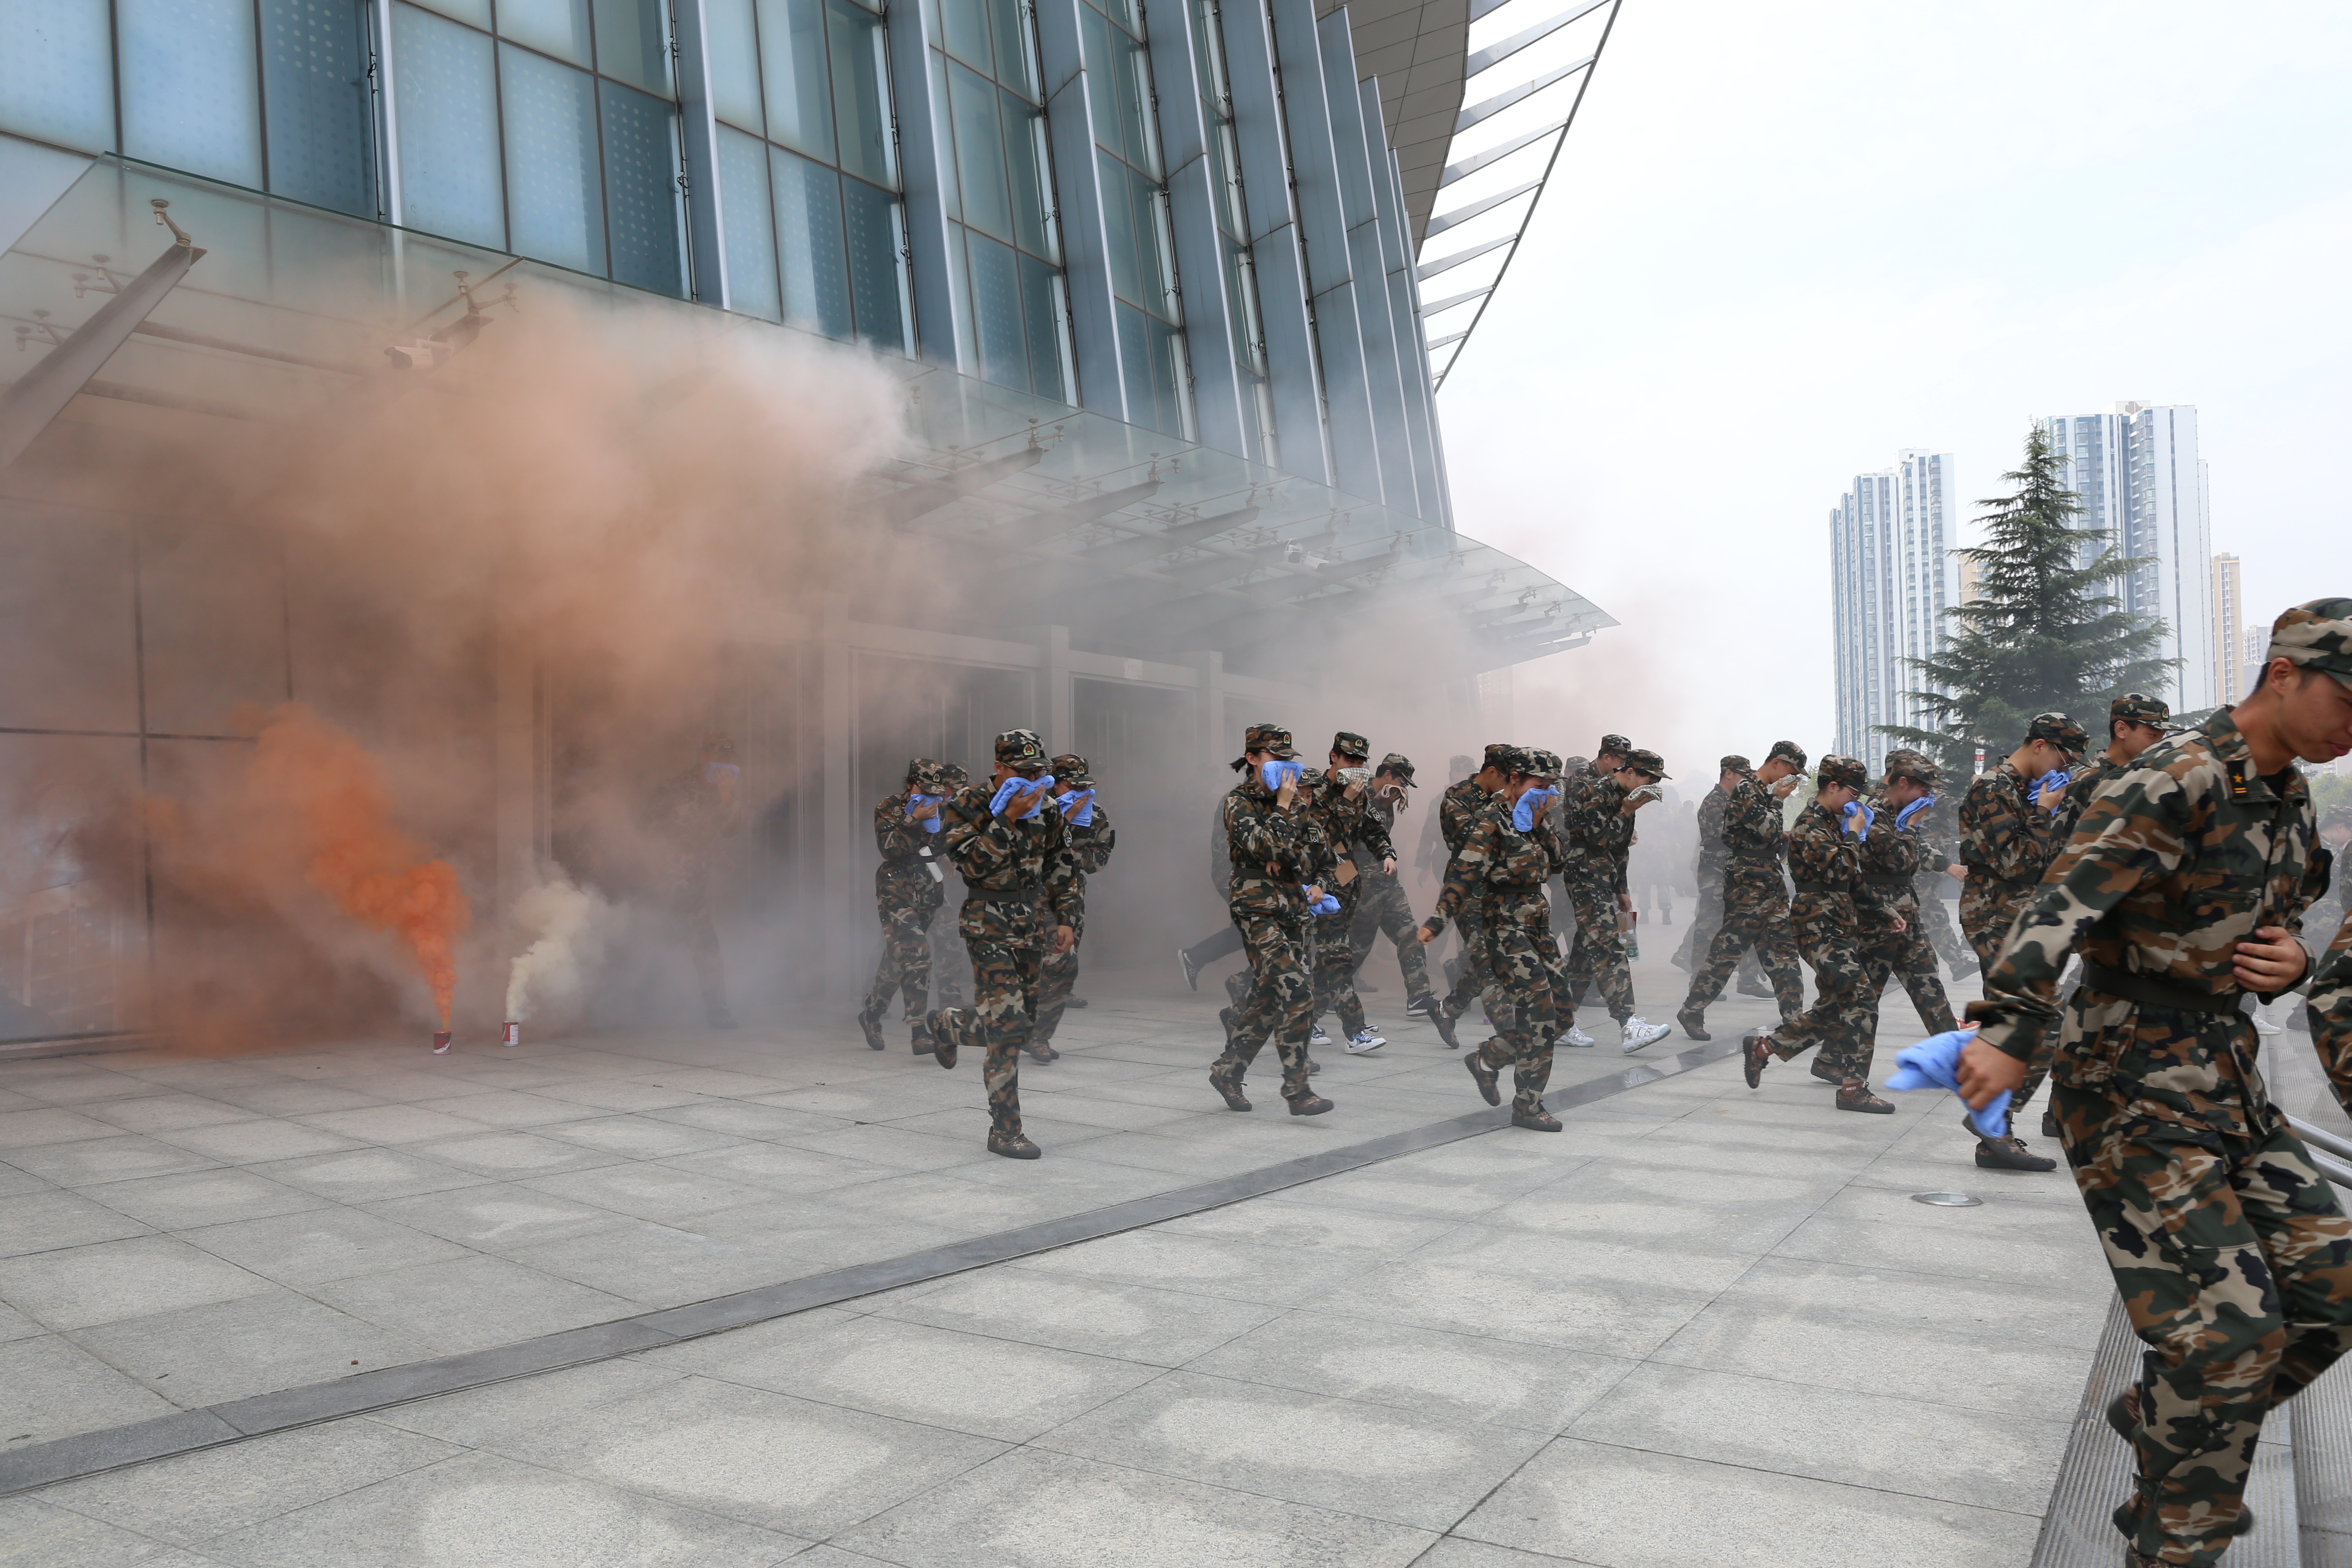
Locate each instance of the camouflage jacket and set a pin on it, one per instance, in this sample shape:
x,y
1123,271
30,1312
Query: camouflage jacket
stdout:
x,y
2004,836
1348,823
1367,860
2331,1010
1708,863
2172,867
1600,836
908,850
1501,870
1092,845
1011,861
1752,834
1891,860
1826,862
2081,788
689,818
1457,809
1275,852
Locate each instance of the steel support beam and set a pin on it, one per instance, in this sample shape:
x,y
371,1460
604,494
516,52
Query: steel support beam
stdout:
x,y
705,225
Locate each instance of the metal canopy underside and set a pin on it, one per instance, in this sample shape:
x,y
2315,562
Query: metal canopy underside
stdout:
x,y
1142,544
1417,49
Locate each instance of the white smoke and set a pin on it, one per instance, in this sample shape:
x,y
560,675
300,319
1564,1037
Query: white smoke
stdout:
x,y
571,926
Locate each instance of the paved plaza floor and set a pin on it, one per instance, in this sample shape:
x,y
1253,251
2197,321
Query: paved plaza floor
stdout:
x,y
1701,1326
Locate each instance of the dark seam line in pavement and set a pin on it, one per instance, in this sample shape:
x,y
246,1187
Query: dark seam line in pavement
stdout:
x,y
185,1431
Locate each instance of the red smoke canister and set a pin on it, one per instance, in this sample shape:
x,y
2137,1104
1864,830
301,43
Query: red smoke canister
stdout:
x,y
440,1042
512,1034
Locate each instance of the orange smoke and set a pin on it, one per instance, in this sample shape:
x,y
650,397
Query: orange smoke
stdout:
x,y
305,771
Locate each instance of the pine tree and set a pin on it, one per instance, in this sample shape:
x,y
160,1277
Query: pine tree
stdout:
x,y
2040,636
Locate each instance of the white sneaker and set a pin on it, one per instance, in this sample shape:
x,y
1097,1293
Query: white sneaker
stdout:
x,y
1638,1033
2262,1025
1364,1041
1576,1036
1318,1037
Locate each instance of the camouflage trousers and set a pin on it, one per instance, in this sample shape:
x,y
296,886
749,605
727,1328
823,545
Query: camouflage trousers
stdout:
x,y
1467,970
1937,921
905,966
1905,956
1523,958
1382,910
1844,1019
2234,1263
1007,941
1988,909
1334,959
1755,914
1056,979
1281,1001
949,959
1600,957
1699,935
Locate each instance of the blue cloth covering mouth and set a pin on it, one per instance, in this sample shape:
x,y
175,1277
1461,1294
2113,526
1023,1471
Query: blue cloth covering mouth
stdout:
x,y
1530,806
1903,818
917,801
1934,1063
1854,808
1013,786
1083,813
1276,774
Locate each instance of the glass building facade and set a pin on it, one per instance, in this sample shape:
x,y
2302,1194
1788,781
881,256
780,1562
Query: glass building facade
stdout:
x,y
1188,221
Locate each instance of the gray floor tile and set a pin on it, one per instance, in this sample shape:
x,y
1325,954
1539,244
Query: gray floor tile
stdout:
x,y
620,1094
641,1137
42,1222
394,1124
1131,1322
509,1109
1408,1467
1455,1553
38,1534
767,1458
164,1112
1035,1510
213,1197
652,1265
1556,1255
80,1083
495,1216
481,1511
1212,1265
121,1158
281,1098
780,1168
249,1142
746,1118
498,1415
256,1344
1470,1377
319,1245
513,1156
471,1304
1994,1253
651,1192
194,1496
894,1147
1590,1502
986,1387
1297,1220
716,1080
108,1282
369,1175
51,1387
1469,1295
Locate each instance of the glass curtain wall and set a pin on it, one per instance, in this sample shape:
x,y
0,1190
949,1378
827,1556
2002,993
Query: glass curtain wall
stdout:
x,y
1233,226
1135,217
808,174
1002,232
547,128
269,94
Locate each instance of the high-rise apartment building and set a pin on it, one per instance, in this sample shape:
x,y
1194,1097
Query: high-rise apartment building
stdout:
x,y
2141,483
2230,671
1893,578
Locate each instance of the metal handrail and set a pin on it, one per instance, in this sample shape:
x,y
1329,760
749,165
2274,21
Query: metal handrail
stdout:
x,y
2328,1151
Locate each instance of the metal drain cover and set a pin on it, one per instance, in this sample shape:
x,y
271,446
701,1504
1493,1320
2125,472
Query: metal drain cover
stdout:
x,y
1946,1200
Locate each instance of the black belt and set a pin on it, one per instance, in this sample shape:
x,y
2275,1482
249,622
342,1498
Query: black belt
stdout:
x,y
1885,879
1031,896
1824,887
2154,991
1757,856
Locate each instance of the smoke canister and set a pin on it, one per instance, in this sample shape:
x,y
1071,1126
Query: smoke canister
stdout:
x,y
440,1042
512,1034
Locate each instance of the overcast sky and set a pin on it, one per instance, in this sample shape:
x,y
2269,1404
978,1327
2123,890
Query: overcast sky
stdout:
x,y
1787,241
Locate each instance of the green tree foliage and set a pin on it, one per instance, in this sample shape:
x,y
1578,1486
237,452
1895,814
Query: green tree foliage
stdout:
x,y
2043,634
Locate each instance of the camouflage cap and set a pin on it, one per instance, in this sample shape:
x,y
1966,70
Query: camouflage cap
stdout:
x,y
2059,731
1577,765
1846,770
1648,761
1021,749
2317,636
1612,745
1070,771
1498,755
1348,743
719,740
1536,763
1915,766
2138,710
1463,766
1786,752
952,775
925,776
1397,764
1270,738
1733,762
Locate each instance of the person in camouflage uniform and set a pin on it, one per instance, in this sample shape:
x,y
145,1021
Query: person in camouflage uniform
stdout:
x,y
1505,861
909,885
1706,871
1825,861
1092,838
1341,801
1282,863
1755,896
2184,887
1383,907
692,812
949,959
1024,900
1938,830
1886,906
1600,823
2135,723
1458,810
2010,831
2327,912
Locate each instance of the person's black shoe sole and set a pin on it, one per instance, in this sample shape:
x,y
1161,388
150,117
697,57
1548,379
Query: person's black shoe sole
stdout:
x,y
2006,1156
1018,1149
1234,1098
1309,1105
872,1031
1866,1103
1445,1029
1755,1050
1487,1078
1538,1122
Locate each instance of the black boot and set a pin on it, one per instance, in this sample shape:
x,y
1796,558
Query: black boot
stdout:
x,y
1228,1084
1011,1145
939,1024
2010,1155
1535,1121
869,1020
1692,1022
921,1041
1308,1104
1485,1076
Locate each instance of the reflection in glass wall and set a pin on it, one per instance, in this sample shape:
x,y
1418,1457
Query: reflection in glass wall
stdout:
x,y
1233,227
190,97
451,173
57,72
1135,218
316,106
1001,195
555,199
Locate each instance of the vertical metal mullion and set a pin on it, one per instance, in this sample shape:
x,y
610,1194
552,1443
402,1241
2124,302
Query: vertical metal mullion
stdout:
x,y
697,123
1198,240
1078,197
924,161
387,116
1353,141
1404,307
261,95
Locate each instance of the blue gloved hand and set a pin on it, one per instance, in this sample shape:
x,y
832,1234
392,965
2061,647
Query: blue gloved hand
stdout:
x,y
1325,905
1854,808
1934,1063
1532,806
916,802
1903,818
1082,812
